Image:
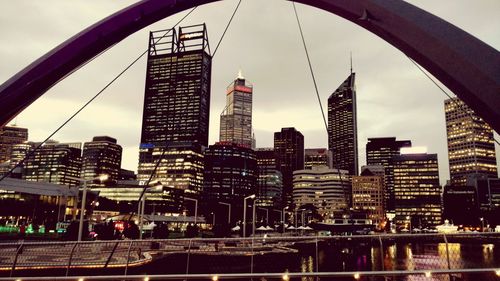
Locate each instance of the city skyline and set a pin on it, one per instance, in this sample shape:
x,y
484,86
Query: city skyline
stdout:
x,y
428,130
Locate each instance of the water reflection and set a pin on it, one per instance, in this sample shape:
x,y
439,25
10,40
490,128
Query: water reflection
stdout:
x,y
307,265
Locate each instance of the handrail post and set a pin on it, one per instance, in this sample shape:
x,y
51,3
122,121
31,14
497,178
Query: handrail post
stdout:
x,y
128,256
111,255
71,257
447,254
317,259
189,253
382,267
19,249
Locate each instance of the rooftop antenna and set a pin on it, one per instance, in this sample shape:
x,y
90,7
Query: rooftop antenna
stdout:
x,y
351,62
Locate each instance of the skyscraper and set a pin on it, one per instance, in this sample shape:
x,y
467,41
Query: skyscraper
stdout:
x,y
316,157
236,118
289,153
471,149
342,126
380,151
230,173
176,108
54,162
9,136
270,180
101,156
416,189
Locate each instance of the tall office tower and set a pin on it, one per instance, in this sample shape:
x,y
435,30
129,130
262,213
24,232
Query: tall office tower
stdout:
x,y
289,154
316,157
101,156
9,136
54,162
324,188
380,151
471,148
342,126
230,173
269,180
176,109
236,118
368,192
416,189
460,205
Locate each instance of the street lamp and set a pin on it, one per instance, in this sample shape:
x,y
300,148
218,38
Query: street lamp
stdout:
x,y
195,207
482,224
229,212
142,205
84,198
213,219
284,214
245,213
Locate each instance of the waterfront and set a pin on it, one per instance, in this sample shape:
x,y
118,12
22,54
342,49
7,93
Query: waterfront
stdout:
x,y
276,255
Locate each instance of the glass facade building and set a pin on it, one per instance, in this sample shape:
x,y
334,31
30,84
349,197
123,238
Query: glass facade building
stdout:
x,y
471,147
176,109
269,180
416,190
380,151
342,126
289,154
236,119
101,156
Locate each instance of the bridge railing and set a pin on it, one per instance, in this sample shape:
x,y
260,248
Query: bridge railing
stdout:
x,y
388,257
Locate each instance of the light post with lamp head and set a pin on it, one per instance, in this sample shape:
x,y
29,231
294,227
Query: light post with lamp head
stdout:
x,y
195,207
84,199
245,213
229,212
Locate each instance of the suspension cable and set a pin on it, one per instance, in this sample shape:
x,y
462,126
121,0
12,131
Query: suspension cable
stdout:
x,y
32,152
448,95
227,27
310,67
339,174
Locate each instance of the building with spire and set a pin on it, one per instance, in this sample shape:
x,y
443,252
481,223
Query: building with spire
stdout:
x,y
342,126
471,147
176,110
236,118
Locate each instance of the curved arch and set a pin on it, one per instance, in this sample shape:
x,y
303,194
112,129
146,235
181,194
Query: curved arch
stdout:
x,y
466,65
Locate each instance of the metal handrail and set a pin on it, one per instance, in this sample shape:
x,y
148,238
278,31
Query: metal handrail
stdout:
x,y
207,276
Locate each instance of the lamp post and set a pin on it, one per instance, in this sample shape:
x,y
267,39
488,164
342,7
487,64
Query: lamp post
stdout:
x,y
229,212
213,219
245,212
409,219
482,224
84,199
253,217
142,206
284,214
195,207
267,214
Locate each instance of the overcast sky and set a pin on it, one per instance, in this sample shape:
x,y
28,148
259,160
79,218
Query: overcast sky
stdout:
x,y
394,97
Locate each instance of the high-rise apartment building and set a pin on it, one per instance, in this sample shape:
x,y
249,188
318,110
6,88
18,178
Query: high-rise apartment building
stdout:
x,y
471,147
324,188
368,193
236,118
269,180
9,136
101,156
289,153
176,108
380,151
416,189
342,126
53,162
316,157
230,173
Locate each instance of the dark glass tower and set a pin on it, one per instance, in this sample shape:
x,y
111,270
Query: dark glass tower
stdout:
x,y
270,180
176,108
289,153
230,173
380,151
101,156
342,126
